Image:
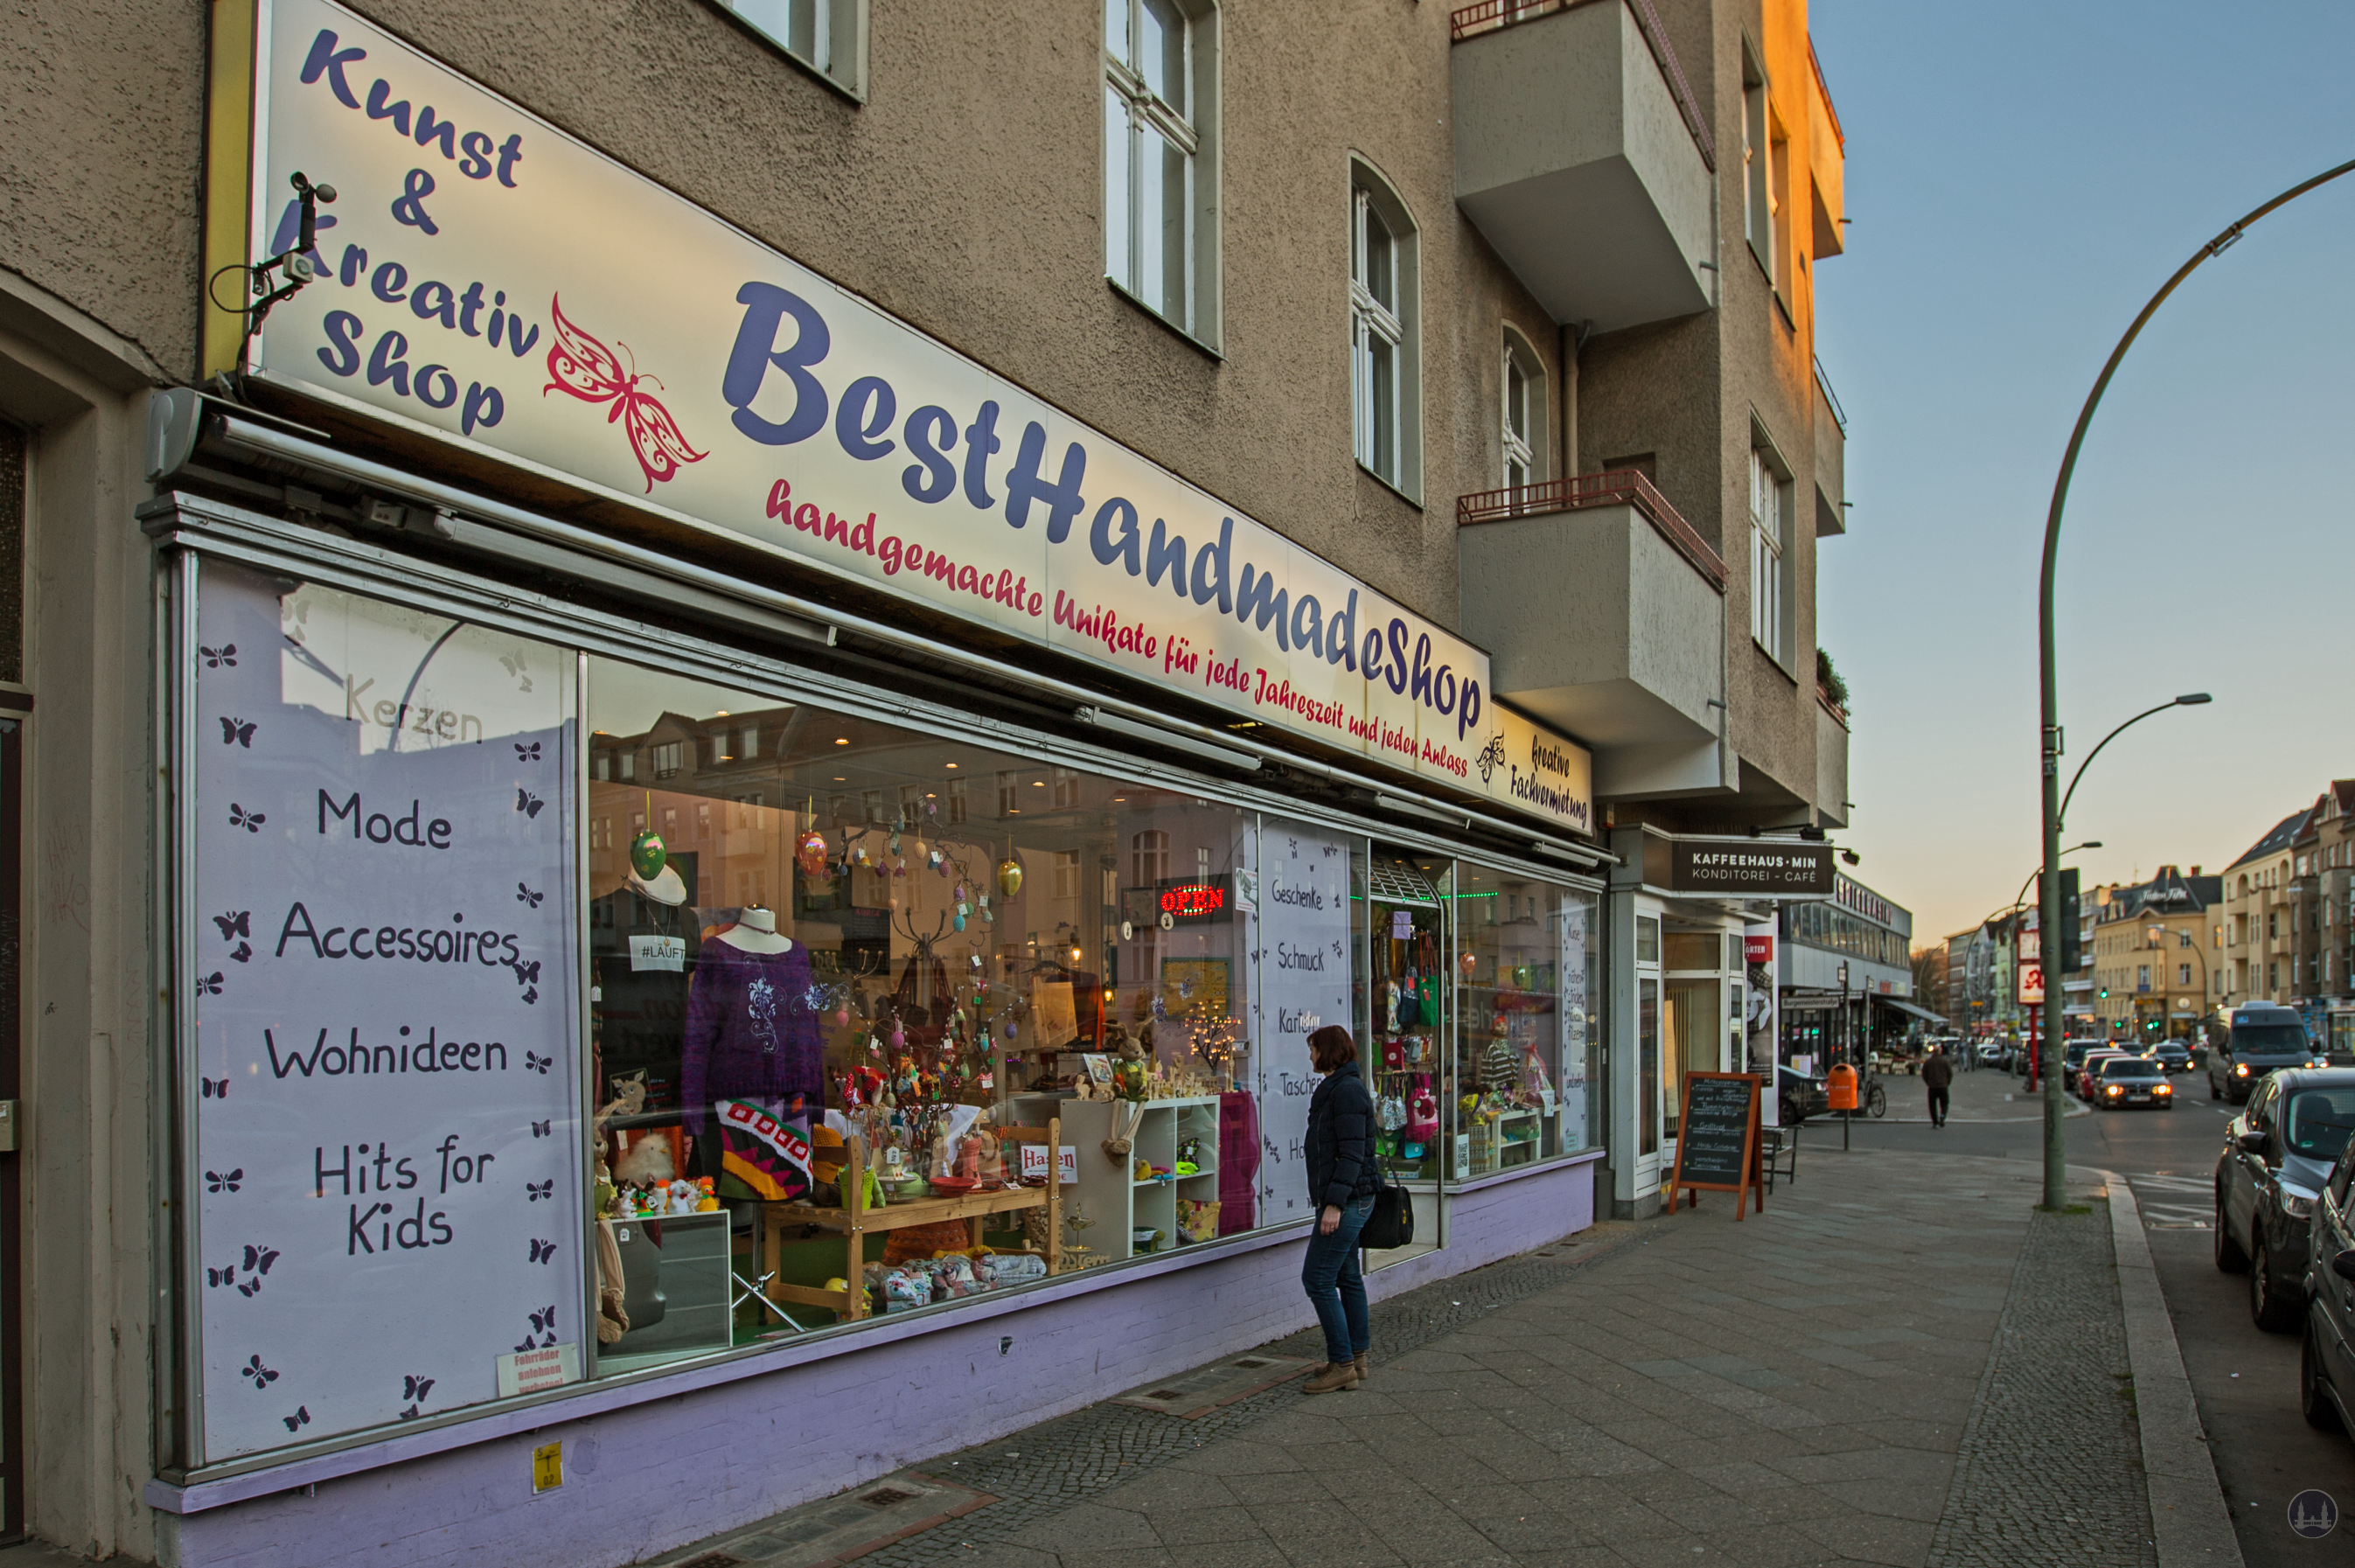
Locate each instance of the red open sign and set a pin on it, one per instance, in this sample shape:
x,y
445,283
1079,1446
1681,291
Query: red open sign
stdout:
x,y
1194,901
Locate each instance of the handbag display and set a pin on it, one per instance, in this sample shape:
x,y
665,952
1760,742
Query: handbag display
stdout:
x,y
1391,1224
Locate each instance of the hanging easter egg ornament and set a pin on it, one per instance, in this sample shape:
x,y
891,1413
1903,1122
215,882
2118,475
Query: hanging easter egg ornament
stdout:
x,y
1009,876
956,923
809,852
647,856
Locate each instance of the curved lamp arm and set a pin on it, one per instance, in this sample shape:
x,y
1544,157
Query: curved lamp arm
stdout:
x,y
2061,817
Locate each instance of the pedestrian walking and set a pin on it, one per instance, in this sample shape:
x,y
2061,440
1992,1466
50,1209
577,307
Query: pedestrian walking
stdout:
x,y
1938,1077
1342,1183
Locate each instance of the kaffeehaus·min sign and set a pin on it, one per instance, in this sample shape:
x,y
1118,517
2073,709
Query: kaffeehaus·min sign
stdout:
x,y
1751,868
490,281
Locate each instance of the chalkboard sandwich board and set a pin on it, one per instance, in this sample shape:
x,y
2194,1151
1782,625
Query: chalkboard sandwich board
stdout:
x,y
1716,1141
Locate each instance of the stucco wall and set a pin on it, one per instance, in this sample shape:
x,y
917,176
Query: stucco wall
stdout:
x,y
101,114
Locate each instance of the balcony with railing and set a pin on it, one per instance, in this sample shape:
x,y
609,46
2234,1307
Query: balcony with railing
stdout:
x,y
1603,610
1583,154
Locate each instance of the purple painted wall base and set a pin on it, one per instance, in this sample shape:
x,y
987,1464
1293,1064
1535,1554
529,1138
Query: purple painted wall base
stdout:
x,y
641,1480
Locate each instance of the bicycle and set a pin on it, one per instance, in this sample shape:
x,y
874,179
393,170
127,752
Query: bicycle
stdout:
x,y
1876,1102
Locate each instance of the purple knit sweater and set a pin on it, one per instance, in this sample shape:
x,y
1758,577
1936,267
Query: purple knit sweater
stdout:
x,y
751,1031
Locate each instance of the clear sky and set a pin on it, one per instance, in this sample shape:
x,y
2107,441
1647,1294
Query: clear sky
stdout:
x,y
2021,178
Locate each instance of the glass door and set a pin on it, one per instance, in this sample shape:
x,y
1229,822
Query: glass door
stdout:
x,y
1692,1009
1650,1126
1408,1036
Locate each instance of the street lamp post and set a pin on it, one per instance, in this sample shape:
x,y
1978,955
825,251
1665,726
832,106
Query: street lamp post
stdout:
x,y
2049,717
2189,699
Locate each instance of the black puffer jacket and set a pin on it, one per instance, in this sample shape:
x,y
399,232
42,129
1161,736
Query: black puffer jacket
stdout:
x,y
1340,1140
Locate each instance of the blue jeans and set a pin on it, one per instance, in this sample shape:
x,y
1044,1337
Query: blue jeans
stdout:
x,y
1336,1285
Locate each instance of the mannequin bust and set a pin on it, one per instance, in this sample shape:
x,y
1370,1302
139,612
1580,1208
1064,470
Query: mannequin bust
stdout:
x,y
755,931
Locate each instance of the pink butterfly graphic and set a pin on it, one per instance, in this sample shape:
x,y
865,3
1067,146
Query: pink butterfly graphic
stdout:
x,y
585,367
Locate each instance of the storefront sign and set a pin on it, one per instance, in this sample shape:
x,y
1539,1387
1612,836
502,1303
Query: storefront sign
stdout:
x,y
1750,868
387,1151
492,281
1194,901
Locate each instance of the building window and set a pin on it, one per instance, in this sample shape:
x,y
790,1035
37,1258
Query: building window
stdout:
x,y
1759,207
2142,977
2183,974
1149,857
829,36
1161,159
1384,387
1770,555
1524,429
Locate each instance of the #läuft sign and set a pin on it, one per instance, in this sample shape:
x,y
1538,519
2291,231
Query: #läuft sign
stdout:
x,y
678,363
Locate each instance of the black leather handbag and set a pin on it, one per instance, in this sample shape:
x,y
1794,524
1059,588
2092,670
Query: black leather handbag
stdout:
x,y
1391,1224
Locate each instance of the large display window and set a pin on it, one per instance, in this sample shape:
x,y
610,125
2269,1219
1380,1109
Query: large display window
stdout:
x,y
846,975
608,1017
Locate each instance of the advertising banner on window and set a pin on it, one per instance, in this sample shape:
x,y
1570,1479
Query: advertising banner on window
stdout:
x,y
1303,943
487,280
386,1152
1761,1025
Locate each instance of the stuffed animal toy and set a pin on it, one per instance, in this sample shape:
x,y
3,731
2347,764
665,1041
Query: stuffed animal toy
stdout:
x,y
647,1162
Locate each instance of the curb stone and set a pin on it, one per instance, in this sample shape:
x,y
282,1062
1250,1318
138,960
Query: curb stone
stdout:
x,y
2188,1517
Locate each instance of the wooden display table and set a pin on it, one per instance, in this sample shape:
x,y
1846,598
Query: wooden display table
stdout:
x,y
859,1221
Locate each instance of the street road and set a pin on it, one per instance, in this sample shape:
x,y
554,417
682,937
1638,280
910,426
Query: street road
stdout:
x,y
2245,1382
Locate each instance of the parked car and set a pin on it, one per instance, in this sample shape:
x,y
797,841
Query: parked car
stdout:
x,y
2277,1160
1994,1053
2172,1055
2126,1080
2264,1037
1801,1095
2325,1370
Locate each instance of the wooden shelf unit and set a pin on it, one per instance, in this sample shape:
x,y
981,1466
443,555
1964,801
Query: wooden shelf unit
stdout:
x,y
1108,1193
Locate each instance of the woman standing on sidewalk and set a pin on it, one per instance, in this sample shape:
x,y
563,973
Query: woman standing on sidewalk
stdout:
x,y
1342,1183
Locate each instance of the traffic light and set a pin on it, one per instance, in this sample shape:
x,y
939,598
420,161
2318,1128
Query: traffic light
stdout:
x,y
2071,946
2105,993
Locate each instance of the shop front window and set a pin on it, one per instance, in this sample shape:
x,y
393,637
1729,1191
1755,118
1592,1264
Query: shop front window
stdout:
x,y
849,979
378,1014
609,1018
1523,1020
1410,995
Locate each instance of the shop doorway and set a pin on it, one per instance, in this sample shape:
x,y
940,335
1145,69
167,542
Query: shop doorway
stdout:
x,y
1692,1009
1407,1024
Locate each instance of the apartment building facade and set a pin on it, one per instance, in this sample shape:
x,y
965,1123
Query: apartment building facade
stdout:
x,y
2262,916
2157,959
977,544
2324,881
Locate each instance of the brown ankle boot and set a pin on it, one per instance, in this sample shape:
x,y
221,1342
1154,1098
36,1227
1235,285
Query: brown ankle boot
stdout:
x,y
1360,1366
1337,1376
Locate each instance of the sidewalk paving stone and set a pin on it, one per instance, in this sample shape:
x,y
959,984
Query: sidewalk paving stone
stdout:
x,y
1893,1382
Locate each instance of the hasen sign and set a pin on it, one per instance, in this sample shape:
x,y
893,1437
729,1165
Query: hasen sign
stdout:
x,y
676,363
